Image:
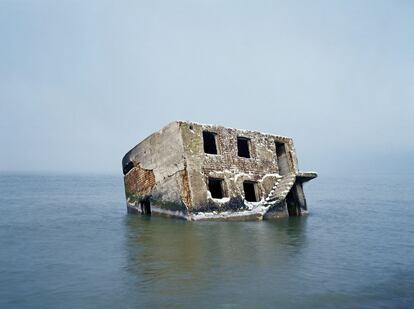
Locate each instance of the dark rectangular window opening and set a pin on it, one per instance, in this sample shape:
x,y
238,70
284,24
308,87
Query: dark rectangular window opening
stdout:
x,y
209,139
129,166
146,207
282,159
249,188
280,149
243,147
215,186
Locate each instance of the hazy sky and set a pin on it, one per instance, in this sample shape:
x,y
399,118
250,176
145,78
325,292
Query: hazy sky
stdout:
x,y
81,82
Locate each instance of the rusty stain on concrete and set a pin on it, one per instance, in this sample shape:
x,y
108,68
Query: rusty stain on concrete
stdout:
x,y
185,187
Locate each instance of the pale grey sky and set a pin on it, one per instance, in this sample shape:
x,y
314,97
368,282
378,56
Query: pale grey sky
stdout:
x,y
81,82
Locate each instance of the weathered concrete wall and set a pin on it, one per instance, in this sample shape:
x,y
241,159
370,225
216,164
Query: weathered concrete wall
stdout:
x,y
261,167
159,173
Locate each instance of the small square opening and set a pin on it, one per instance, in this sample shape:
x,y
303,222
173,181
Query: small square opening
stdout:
x,y
250,193
243,147
215,186
209,139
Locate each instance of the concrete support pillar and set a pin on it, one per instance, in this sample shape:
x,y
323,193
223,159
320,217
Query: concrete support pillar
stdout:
x,y
300,196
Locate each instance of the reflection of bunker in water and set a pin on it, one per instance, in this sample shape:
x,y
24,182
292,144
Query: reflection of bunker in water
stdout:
x,y
201,172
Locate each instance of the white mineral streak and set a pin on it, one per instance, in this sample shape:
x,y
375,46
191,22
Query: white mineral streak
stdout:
x,y
271,175
259,211
177,214
221,200
253,209
237,176
252,205
240,130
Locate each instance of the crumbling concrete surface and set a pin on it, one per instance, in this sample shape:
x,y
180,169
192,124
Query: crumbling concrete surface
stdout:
x,y
208,172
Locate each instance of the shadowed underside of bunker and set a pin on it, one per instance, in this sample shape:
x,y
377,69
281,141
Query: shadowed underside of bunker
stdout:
x,y
207,172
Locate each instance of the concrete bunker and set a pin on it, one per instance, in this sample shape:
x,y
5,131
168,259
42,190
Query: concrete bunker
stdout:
x,y
208,172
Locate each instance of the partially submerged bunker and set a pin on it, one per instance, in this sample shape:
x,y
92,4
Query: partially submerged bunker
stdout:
x,y
201,172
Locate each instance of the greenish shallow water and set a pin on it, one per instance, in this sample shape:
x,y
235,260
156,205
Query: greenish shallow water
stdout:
x,y
67,242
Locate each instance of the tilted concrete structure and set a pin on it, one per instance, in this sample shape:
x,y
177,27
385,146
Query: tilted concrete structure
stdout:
x,y
201,172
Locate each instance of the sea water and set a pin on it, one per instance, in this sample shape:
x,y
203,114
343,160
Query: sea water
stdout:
x,y
67,242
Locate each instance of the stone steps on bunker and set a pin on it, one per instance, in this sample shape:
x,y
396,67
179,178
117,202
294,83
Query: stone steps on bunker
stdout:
x,y
281,188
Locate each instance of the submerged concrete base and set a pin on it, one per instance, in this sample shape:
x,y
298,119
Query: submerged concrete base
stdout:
x,y
272,215
243,215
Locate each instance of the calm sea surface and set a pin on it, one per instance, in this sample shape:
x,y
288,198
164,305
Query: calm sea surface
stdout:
x,y
67,242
